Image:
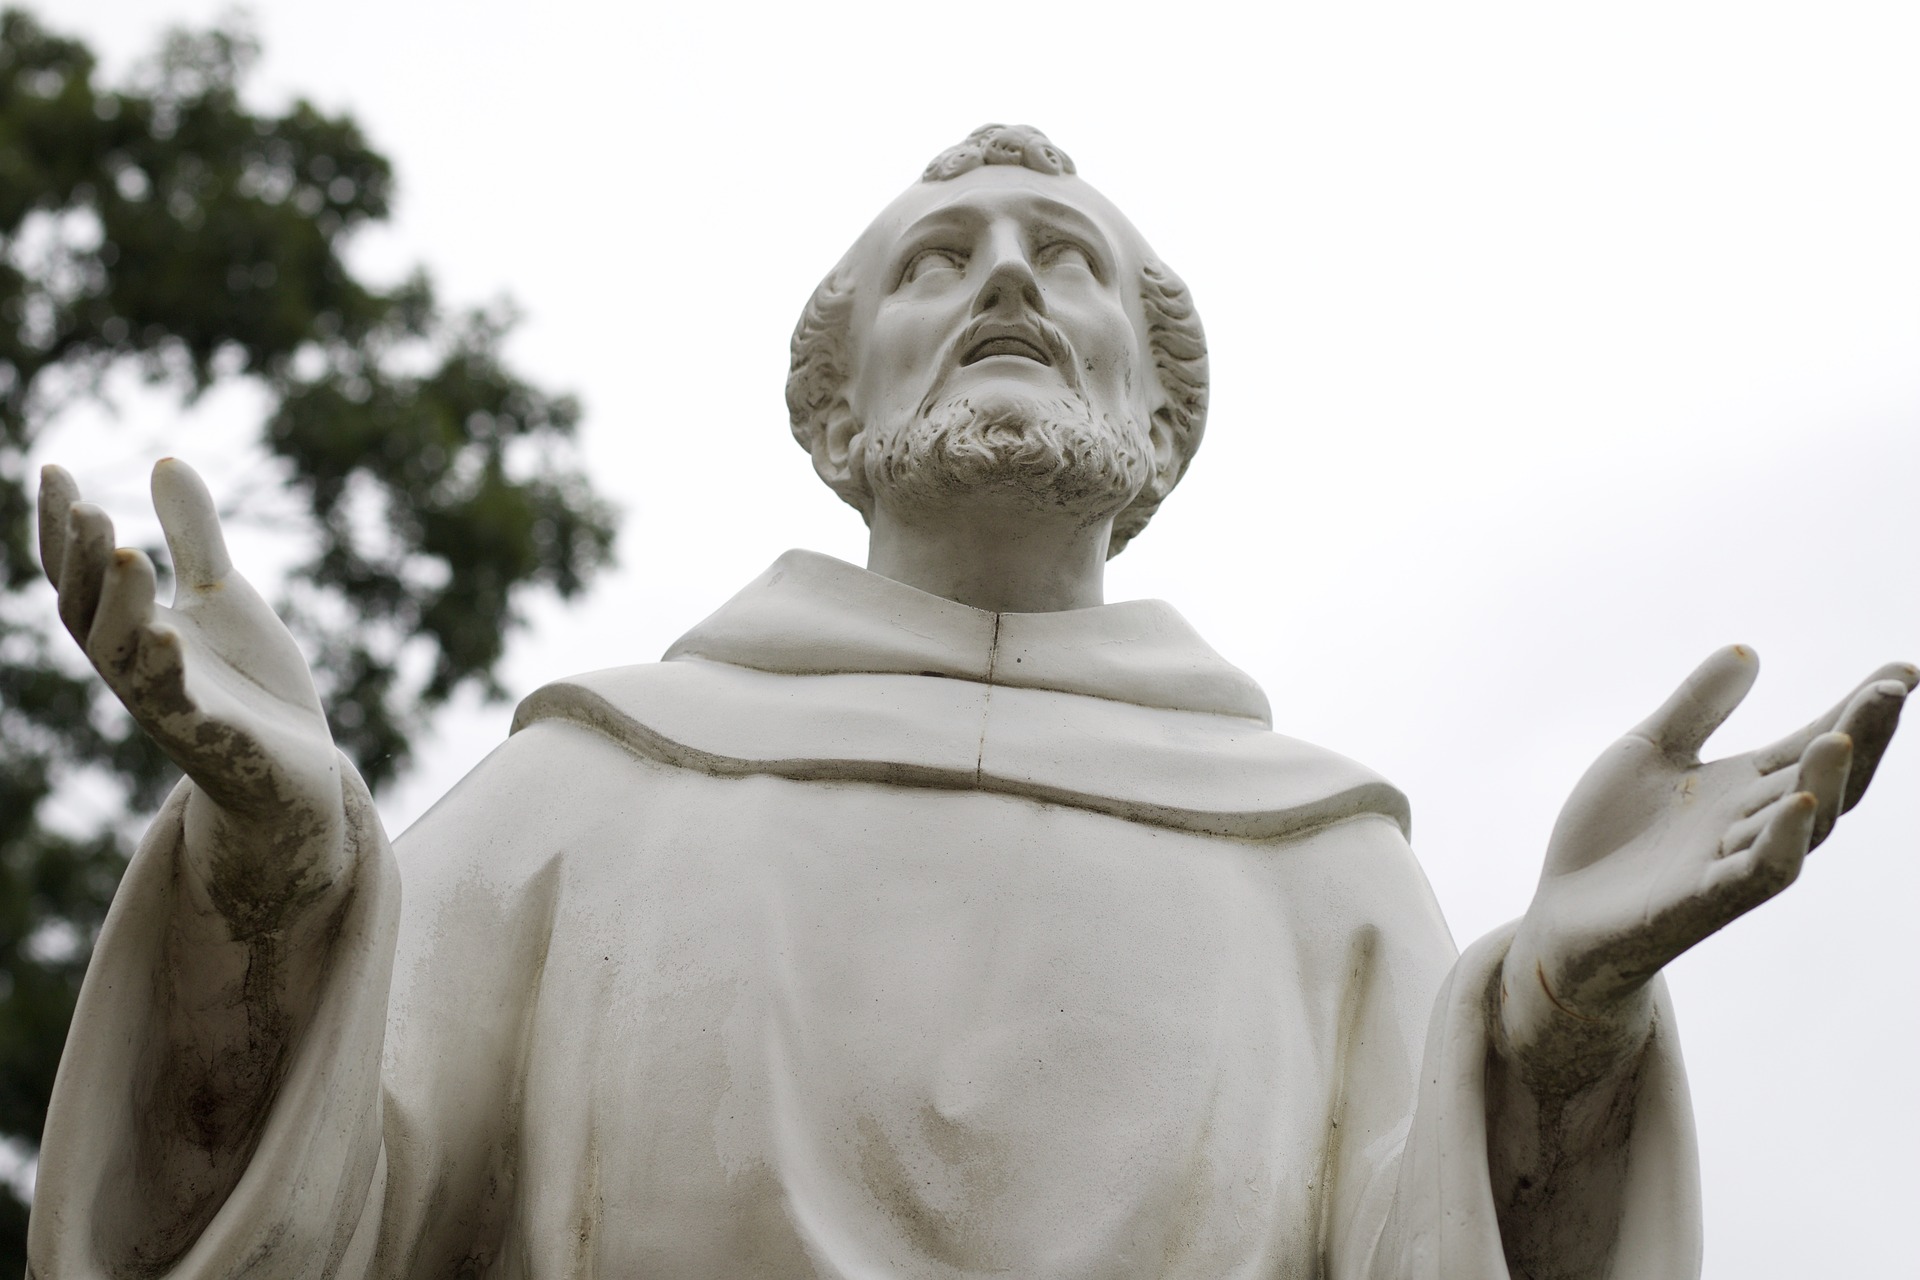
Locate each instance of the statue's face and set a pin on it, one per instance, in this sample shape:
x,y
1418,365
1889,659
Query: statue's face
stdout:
x,y
998,313
1002,275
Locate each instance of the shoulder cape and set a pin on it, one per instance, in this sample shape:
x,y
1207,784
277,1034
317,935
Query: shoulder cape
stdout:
x,y
821,671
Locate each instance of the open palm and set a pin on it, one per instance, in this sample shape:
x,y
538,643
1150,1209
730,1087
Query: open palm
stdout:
x,y
1657,849
216,680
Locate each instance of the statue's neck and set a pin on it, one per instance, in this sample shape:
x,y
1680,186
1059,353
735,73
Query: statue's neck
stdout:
x,y
994,560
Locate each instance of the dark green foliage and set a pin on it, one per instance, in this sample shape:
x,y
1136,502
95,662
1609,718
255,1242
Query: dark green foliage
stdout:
x,y
166,225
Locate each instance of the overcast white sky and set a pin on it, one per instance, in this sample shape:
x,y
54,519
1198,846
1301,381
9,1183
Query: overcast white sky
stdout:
x,y
1552,348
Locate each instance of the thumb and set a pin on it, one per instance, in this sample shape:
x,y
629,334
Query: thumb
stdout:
x,y
187,515
1703,702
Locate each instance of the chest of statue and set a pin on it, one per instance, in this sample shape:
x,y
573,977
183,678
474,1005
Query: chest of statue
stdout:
x,y
853,1029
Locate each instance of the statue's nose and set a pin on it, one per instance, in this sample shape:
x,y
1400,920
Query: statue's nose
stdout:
x,y
1010,286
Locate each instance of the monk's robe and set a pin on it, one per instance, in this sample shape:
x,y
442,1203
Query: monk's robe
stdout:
x,y
870,935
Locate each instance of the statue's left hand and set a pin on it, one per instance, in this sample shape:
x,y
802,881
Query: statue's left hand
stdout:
x,y
1656,849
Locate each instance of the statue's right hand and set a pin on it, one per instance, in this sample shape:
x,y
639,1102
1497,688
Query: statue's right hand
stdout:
x,y
216,680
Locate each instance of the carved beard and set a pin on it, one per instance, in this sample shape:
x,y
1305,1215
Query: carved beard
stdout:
x,y
1041,451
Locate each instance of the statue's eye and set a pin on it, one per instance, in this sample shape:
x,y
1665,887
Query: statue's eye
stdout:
x,y
929,261
1065,253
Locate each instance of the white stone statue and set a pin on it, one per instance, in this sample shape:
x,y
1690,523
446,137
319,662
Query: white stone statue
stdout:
x,y
932,919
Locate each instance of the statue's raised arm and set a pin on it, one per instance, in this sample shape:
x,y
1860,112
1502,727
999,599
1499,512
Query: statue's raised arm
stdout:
x,y
1655,850
260,844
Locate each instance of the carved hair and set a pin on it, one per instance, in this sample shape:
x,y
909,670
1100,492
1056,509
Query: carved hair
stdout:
x,y
819,367
1020,144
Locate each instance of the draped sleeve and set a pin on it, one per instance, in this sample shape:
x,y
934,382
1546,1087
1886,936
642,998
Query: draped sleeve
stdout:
x,y
1441,1223
307,1204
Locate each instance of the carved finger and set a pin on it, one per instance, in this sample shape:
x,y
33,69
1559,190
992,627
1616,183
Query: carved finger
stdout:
x,y
1765,790
1746,830
58,493
1787,750
1702,702
192,526
1774,859
126,609
83,564
1870,720
1823,772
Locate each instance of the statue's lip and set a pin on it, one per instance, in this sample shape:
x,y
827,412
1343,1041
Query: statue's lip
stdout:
x,y
1020,342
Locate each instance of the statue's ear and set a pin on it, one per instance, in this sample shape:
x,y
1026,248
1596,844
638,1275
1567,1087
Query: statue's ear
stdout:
x,y
1166,448
836,454
1167,463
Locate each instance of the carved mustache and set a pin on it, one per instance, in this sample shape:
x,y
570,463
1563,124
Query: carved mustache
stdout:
x,y
1031,336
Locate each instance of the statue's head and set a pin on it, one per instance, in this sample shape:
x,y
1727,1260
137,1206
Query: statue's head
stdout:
x,y
1001,334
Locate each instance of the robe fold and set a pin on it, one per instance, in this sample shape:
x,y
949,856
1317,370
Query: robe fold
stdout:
x,y
869,935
